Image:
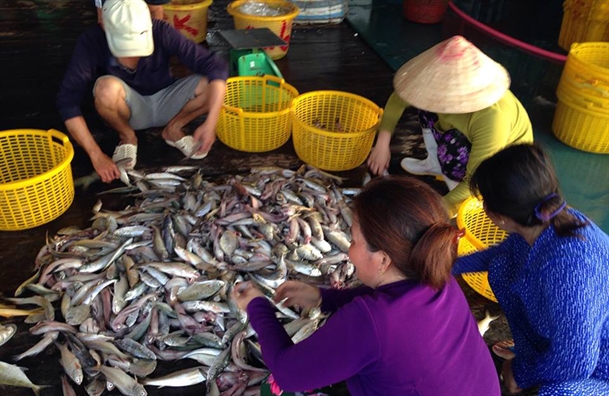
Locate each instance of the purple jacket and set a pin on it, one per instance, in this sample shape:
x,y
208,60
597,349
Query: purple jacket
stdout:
x,y
92,59
399,339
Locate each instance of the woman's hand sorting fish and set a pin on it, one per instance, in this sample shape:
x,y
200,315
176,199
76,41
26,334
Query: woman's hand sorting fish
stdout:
x,y
244,292
294,293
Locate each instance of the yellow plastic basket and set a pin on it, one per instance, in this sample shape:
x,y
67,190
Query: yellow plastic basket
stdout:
x,y
584,20
581,119
334,130
579,127
255,116
36,183
586,71
480,233
281,24
189,17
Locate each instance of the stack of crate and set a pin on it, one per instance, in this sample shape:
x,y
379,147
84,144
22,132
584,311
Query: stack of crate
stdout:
x,y
581,119
584,21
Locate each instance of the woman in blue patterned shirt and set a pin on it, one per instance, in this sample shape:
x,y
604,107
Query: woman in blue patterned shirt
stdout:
x,y
550,276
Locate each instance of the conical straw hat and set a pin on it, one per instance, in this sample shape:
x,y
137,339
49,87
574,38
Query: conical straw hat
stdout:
x,y
452,77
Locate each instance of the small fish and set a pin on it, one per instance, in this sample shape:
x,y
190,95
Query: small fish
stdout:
x,y
71,364
365,180
484,323
186,377
181,168
66,387
13,376
125,384
86,181
6,332
10,311
46,340
195,149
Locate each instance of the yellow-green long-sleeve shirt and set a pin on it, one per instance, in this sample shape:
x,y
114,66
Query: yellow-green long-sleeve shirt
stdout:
x,y
488,130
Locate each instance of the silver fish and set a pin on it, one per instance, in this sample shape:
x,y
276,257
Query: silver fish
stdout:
x,y
186,377
125,384
13,376
201,290
6,332
40,346
71,364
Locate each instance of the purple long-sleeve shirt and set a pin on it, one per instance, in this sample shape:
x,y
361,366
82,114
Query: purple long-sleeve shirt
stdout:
x,y
92,58
402,338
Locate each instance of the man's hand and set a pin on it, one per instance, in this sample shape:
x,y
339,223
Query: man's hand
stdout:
x,y
206,134
105,168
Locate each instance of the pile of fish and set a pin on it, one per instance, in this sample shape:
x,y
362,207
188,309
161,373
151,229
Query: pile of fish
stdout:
x,y
152,282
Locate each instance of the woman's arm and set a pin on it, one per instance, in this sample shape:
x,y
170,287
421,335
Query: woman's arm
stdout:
x,y
475,262
333,299
379,158
331,354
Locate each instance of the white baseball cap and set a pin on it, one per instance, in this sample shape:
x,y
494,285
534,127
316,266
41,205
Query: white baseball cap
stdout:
x,y
128,26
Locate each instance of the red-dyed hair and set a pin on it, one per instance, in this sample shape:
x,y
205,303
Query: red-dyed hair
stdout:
x,y
407,219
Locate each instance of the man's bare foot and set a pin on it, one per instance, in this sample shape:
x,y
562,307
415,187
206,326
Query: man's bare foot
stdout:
x,y
172,133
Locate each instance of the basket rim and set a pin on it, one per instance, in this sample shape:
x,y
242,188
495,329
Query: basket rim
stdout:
x,y
471,238
331,134
575,47
238,111
301,97
51,172
283,85
469,278
234,12
184,7
337,93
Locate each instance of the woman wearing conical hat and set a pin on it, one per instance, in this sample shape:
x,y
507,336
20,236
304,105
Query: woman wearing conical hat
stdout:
x,y
466,110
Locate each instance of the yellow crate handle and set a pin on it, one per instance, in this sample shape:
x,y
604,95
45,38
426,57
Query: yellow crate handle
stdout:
x,y
60,136
274,79
238,111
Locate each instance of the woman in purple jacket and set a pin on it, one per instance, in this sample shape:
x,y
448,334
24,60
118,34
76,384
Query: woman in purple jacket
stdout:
x,y
407,331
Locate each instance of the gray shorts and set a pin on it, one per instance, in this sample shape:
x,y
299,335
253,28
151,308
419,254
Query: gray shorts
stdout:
x,y
158,109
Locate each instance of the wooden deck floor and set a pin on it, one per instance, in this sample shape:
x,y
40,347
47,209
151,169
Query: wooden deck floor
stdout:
x,y
35,45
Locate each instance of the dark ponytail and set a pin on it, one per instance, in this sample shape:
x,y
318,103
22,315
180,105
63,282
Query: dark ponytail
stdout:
x,y
407,219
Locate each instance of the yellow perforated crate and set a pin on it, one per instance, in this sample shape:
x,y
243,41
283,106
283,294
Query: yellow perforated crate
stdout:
x,y
583,21
480,233
36,183
581,119
579,126
255,116
334,130
586,71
